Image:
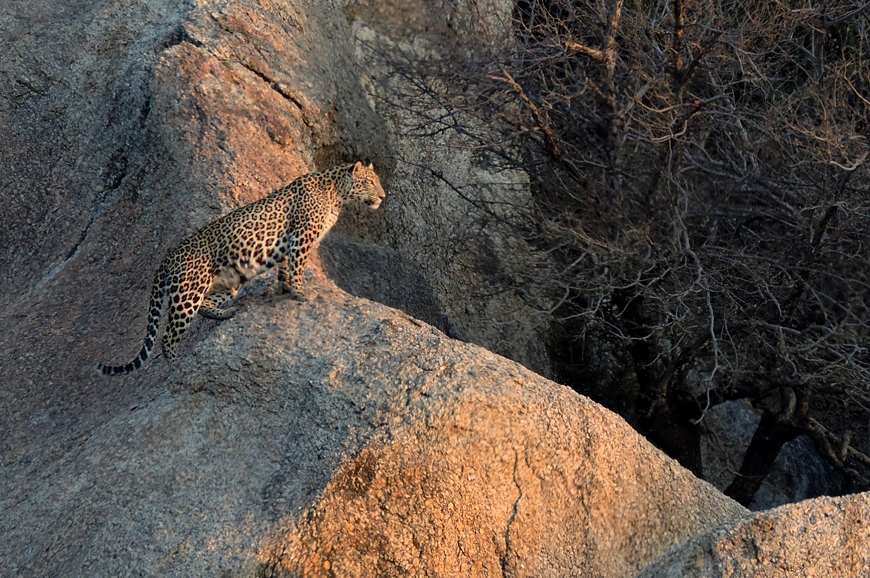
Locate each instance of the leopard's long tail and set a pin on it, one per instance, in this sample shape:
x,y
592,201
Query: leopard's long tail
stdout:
x,y
155,308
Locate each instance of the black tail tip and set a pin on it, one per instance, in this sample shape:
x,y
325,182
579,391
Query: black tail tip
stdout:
x,y
113,369
100,368
119,369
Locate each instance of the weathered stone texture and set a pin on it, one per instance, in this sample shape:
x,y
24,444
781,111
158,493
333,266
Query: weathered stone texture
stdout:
x,y
343,434
336,437
824,537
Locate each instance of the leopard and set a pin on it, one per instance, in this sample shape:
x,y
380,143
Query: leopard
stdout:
x,y
206,271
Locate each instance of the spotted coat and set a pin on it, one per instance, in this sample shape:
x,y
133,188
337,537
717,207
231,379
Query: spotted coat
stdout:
x,y
207,269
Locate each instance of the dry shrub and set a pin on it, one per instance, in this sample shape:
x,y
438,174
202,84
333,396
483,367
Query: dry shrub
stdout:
x,y
700,178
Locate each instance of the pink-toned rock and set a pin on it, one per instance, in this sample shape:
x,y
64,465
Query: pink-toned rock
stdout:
x,y
336,437
823,537
342,437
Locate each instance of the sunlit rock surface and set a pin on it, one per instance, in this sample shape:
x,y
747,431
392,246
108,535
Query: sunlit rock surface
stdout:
x,y
344,434
823,537
336,437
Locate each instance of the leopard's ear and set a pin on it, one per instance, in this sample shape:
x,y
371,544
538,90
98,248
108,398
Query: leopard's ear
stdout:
x,y
358,167
371,167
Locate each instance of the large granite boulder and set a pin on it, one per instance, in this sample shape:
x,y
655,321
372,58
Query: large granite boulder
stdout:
x,y
342,437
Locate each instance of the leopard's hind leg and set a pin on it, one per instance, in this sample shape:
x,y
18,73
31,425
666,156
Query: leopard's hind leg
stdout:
x,y
210,305
187,292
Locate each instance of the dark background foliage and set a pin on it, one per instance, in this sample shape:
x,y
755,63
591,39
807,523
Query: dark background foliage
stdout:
x,y
699,178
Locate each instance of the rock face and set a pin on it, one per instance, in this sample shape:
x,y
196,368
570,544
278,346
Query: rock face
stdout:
x,y
341,437
337,437
453,223
822,537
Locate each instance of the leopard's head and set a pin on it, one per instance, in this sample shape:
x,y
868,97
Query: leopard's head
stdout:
x,y
367,187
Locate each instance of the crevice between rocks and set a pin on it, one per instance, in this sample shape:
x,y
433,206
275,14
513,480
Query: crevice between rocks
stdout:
x,y
508,546
68,257
274,85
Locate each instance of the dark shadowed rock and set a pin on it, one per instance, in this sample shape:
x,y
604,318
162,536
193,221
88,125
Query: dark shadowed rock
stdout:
x,y
798,473
380,274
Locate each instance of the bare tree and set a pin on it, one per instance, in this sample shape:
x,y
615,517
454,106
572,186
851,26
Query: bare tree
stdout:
x,y
699,174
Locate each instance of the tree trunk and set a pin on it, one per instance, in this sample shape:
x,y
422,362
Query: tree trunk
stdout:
x,y
771,435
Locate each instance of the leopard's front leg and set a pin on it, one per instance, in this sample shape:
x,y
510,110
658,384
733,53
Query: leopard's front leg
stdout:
x,y
291,271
